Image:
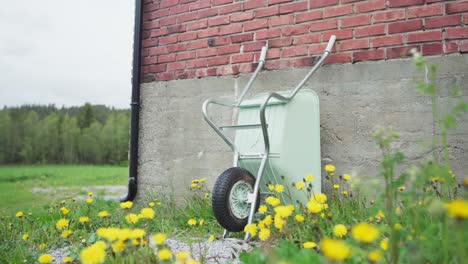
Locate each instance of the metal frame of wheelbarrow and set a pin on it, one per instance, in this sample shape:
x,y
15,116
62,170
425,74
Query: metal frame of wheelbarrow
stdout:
x,y
252,197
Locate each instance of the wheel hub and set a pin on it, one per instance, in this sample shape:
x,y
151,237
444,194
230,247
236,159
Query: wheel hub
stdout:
x,y
238,199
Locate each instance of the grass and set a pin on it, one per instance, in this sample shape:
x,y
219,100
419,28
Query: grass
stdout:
x,y
17,183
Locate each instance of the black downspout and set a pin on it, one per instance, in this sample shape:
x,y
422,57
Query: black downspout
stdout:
x,y
135,107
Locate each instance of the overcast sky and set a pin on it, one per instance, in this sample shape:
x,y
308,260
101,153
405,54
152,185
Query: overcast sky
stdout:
x,y
66,52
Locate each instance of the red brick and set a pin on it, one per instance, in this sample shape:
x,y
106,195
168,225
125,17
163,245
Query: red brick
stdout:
x,y
389,16
400,52
186,55
159,32
157,50
425,11
219,60
246,67
309,16
401,3
273,53
207,52
251,4
197,44
450,47
294,30
306,39
267,34
220,41
228,70
349,1
149,42
197,25
281,20
152,24
186,17
242,16
176,47
217,21
277,64
168,3
179,9
198,63
369,31
443,21
158,68
151,7
256,24
227,9
280,42
221,2
166,58
340,34
253,46
355,21
159,13
165,76
176,29
387,41
464,46
207,13
200,4
185,74
465,18
242,37
293,7
424,36
294,51
456,33
149,60
176,65
405,26
186,1
432,49
269,11
322,3
205,72
273,2
229,49
369,55
168,21
354,44
338,11
246,57
230,29
323,25
339,58
457,7
167,40
302,62
370,6
187,36
209,32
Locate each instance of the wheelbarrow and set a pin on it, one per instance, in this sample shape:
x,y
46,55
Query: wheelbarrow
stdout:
x,y
276,141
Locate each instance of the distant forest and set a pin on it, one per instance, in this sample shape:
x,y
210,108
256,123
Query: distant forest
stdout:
x,y
90,134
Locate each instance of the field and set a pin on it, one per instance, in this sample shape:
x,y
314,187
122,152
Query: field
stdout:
x,y
30,187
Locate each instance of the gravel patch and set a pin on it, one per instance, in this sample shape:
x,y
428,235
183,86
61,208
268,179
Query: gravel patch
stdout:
x,y
59,254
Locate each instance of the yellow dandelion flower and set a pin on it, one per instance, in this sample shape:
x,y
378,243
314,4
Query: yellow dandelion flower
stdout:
x,y
207,195
211,238
159,238
124,234
314,207
262,209
164,254
64,211
336,250
42,246
118,246
309,178
271,187
336,186
319,197
45,258
193,185
340,230
138,233
89,200
397,227
67,233
67,259
309,245
264,234
131,218
299,218
402,188
201,222
299,185
147,213
135,242
103,214
202,180
192,222
457,209
83,219
344,193
110,234
268,220
384,244
365,232
273,201
90,194
151,204
465,181
19,214
25,237
181,255
374,256
284,211
252,229
62,223
346,177
126,205
380,215
329,168
94,254
279,188
278,222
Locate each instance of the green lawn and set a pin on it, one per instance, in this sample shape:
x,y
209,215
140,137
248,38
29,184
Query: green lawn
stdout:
x,y
29,187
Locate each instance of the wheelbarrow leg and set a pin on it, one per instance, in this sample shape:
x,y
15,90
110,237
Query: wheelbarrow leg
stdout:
x,y
225,234
260,173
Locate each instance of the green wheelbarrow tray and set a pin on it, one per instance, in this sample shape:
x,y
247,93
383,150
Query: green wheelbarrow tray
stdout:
x,y
277,141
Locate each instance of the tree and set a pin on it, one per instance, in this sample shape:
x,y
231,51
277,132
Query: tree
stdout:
x,y
85,116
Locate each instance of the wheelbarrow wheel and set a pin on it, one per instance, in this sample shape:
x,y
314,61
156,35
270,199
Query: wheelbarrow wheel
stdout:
x,y
229,198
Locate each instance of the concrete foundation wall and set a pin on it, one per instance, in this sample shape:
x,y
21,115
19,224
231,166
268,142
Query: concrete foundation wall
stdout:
x,y
176,145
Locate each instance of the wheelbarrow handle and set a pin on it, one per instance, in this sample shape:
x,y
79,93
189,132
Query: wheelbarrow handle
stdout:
x,y
330,44
263,53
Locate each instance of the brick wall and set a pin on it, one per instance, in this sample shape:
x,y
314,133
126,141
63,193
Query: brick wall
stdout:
x,y
185,39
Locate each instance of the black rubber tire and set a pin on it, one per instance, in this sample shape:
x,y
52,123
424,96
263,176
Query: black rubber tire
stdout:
x,y
220,198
